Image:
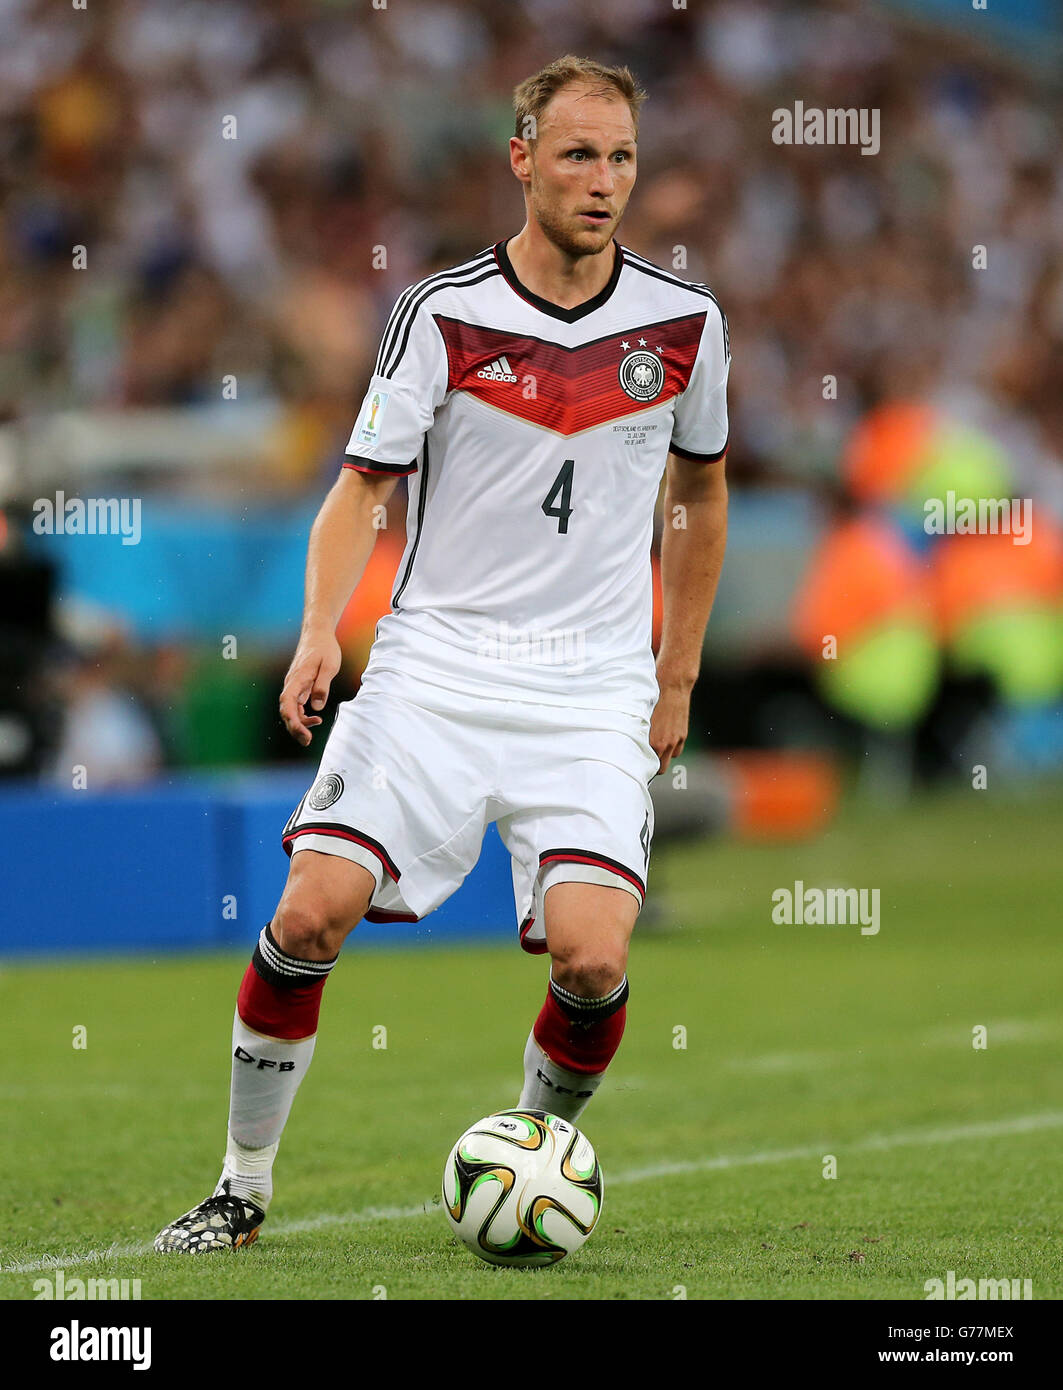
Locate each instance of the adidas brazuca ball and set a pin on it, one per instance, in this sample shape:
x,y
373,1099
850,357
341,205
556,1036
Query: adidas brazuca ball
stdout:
x,y
522,1188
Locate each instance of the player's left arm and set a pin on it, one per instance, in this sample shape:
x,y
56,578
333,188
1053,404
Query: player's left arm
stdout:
x,y
692,549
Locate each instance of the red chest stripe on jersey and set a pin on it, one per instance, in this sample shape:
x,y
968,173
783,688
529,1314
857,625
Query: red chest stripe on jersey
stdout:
x,y
575,388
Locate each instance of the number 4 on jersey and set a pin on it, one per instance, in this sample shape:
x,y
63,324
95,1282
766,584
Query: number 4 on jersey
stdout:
x,y
562,484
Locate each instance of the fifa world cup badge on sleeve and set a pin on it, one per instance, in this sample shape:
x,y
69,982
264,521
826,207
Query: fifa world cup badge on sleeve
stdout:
x,y
372,417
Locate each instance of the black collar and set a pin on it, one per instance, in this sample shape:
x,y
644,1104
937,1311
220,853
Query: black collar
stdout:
x,y
547,306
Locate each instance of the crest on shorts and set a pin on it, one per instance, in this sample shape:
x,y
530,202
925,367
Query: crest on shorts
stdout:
x,y
326,791
642,375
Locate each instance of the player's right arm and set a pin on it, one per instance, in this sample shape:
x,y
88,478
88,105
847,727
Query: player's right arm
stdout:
x,y
341,541
408,385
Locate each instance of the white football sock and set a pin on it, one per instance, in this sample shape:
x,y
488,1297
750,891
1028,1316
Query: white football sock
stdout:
x,y
550,1087
266,1073
249,1172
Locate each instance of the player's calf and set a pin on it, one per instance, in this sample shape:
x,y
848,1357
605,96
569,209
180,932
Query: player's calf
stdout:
x,y
570,1046
273,1038
275,1025
580,1025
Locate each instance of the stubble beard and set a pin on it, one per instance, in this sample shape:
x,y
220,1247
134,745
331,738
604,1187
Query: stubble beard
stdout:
x,y
572,242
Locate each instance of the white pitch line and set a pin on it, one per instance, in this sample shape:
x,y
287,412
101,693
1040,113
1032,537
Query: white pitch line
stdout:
x,y
988,1129
1003,1030
309,1223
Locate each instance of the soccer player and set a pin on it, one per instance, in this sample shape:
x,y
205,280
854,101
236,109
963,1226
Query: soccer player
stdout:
x,y
533,396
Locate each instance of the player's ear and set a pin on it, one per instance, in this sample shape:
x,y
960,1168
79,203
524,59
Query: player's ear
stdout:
x,y
520,158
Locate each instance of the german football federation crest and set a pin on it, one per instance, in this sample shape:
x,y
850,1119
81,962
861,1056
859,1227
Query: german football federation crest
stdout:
x,y
642,375
327,790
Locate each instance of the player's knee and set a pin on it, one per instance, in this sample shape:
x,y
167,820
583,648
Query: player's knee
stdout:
x,y
309,931
323,900
589,974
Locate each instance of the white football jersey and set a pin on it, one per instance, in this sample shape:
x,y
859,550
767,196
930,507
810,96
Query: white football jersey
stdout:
x,y
535,438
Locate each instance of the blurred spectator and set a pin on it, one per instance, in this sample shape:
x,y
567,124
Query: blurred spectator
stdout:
x,y
255,181
107,738
370,148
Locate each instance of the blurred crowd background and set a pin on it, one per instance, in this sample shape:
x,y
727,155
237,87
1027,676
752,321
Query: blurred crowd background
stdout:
x,y
210,356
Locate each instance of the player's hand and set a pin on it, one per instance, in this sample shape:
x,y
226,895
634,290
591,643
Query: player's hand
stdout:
x,y
314,665
670,722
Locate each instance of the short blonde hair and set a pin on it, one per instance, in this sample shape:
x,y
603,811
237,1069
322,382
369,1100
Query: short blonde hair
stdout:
x,y
532,96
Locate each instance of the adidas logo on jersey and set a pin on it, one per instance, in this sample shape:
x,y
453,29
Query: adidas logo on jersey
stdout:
x,y
499,370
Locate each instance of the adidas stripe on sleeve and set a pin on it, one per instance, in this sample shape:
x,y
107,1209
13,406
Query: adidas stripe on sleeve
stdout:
x,y
699,430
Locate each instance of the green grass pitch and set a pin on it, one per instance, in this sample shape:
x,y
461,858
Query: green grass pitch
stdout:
x,y
801,1042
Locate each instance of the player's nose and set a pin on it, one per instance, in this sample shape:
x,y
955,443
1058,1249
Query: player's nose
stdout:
x,y
602,180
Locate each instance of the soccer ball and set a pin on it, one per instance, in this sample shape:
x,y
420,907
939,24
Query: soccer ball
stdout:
x,y
522,1188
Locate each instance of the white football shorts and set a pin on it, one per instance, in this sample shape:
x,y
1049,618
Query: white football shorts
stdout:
x,y
409,783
